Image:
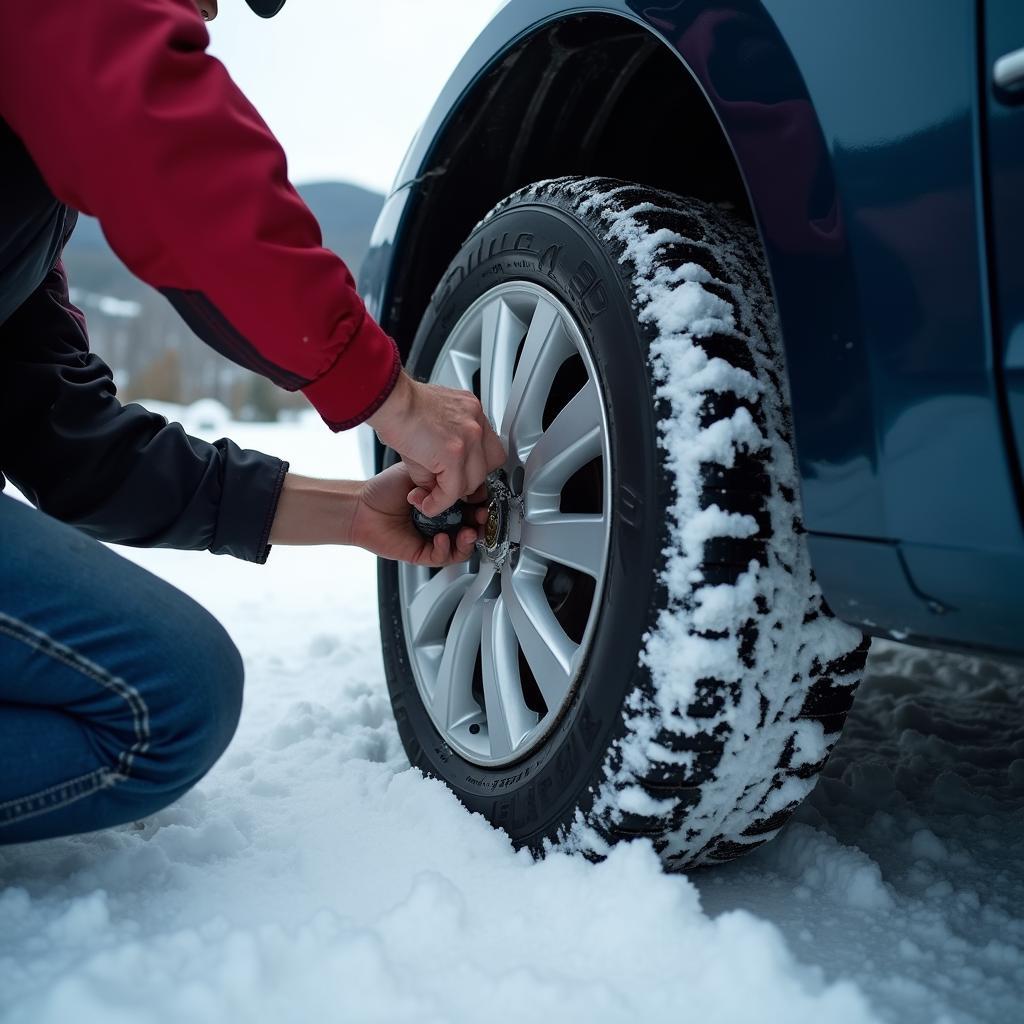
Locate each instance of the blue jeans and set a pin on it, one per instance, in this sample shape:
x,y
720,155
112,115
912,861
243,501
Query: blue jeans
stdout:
x,y
117,692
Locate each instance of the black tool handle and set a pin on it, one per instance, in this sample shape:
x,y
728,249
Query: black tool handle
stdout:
x,y
449,521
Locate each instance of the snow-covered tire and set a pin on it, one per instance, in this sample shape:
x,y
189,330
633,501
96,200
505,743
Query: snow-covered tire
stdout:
x,y
717,680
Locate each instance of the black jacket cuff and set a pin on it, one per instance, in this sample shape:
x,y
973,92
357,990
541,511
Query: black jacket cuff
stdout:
x,y
248,504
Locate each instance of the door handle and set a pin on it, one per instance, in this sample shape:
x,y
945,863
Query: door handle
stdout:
x,y
1008,75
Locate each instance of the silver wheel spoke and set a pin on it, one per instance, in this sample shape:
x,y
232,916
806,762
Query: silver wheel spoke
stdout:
x,y
458,370
572,440
546,347
452,700
435,601
549,652
501,332
509,720
573,540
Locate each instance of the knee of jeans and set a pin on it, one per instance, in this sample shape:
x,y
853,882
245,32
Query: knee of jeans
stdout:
x,y
198,718
223,678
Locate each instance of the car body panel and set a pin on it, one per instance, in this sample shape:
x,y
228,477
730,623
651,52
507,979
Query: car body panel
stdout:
x,y
858,130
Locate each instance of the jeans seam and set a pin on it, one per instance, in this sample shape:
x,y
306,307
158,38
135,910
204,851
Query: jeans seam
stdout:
x,y
53,788
101,778
46,645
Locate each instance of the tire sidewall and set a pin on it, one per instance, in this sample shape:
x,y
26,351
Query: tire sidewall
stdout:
x,y
537,796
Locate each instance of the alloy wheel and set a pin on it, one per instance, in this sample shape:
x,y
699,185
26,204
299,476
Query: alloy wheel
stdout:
x,y
497,644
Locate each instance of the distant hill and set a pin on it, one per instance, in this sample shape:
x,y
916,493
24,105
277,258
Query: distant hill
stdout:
x,y
344,211
153,354
346,214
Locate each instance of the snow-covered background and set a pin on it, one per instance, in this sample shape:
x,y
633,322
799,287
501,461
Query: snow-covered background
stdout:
x,y
313,876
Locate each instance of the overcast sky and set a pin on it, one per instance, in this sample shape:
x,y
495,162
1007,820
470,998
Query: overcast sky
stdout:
x,y
344,84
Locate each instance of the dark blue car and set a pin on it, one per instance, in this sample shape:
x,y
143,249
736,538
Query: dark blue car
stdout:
x,y
741,285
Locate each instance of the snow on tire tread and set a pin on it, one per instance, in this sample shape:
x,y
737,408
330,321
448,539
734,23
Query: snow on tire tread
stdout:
x,y
748,674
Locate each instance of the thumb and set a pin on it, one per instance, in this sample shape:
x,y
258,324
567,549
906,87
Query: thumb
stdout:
x,y
438,500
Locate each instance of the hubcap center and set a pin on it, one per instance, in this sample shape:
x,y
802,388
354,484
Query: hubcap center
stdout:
x,y
493,528
497,541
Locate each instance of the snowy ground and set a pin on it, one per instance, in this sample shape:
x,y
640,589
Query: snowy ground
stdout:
x,y
314,877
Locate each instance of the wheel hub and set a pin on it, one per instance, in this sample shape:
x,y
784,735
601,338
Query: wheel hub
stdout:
x,y
504,510
493,530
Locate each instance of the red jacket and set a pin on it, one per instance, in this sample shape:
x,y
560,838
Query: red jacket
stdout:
x,y
129,119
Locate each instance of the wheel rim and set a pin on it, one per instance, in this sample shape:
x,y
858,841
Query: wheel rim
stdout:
x,y
497,650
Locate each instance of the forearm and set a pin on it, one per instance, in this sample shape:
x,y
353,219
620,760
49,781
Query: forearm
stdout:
x,y
371,514
120,473
315,511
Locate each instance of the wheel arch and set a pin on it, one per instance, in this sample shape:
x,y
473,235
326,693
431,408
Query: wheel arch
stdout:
x,y
514,124
610,93
606,91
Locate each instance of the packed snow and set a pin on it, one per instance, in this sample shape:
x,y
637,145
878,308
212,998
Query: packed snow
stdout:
x,y
313,876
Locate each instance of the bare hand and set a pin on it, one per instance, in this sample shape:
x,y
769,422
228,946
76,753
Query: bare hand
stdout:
x,y
444,438
382,523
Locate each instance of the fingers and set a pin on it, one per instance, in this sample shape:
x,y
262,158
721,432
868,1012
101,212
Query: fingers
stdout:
x,y
424,480
421,476
446,441
465,542
441,551
417,495
494,450
436,502
469,478
484,456
476,471
450,487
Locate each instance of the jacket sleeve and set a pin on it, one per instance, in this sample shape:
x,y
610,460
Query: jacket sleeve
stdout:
x,y
130,120
120,473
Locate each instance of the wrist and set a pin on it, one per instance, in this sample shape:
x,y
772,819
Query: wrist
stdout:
x,y
396,407
315,511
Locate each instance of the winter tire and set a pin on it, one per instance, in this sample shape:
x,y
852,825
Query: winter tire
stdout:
x,y
650,654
